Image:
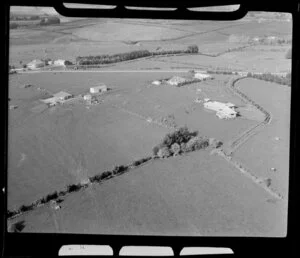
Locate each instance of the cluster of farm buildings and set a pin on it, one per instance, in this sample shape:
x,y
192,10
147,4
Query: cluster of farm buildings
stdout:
x,y
62,96
38,63
223,110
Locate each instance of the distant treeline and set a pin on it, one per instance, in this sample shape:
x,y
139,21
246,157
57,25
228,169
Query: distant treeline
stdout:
x,y
285,80
24,17
108,59
34,21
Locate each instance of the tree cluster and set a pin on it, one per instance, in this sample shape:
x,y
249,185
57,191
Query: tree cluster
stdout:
x,y
180,141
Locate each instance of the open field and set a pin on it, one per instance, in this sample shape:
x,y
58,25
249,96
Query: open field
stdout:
x,y
191,194
184,196
275,99
129,105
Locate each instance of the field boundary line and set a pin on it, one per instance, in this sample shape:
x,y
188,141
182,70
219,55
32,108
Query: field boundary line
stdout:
x,y
243,137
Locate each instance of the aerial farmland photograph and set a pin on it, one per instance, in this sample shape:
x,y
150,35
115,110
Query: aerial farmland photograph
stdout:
x,y
147,126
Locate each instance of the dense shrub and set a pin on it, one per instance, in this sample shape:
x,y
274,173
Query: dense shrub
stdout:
x,y
106,174
155,150
11,213
73,188
164,152
197,143
140,161
62,193
119,169
25,208
182,135
192,49
175,149
96,178
52,196
67,62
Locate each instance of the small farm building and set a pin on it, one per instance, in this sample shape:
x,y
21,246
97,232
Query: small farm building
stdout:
x,y
98,89
34,64
62,95
87,97
202,76
58,97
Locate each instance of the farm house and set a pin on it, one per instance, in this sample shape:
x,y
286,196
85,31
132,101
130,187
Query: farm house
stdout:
x,y
59,62
62,95
202,76
98,89
223,110
175,80
34,64
57,97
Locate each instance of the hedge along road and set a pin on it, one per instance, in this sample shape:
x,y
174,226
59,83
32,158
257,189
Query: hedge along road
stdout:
x,y
107,71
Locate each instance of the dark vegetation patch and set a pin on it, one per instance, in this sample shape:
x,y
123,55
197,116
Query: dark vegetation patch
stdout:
x,y
17,226
284,80
179,142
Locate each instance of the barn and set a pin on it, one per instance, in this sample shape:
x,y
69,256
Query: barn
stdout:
x,y
98,89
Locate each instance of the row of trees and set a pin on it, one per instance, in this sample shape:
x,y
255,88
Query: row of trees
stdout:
x,y
285,80
108,59
56,195
24,17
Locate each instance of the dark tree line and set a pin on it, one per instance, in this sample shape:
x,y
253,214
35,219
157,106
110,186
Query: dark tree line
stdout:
x,y
108,59
285,80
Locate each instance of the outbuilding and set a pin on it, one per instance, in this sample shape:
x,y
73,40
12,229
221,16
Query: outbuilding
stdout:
x,y
36,63
62,95
98,89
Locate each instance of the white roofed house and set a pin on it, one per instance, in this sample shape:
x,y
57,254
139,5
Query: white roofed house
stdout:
x,y
59,62
202,76
223,110
98,89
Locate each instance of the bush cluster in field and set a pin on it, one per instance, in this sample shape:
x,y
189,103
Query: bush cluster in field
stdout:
x,y
108,59
285,80
181,141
